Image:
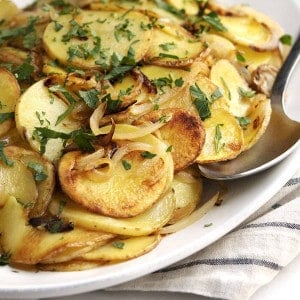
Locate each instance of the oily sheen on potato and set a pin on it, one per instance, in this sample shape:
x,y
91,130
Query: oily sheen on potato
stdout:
x,y
106,110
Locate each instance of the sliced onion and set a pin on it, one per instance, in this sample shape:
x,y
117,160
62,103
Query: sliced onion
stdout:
x,y
134,146
101,174
193,217
128,132
91,161
186,177
96,116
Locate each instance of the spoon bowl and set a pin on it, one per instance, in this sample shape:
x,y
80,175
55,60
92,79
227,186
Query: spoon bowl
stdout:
x,y
279,140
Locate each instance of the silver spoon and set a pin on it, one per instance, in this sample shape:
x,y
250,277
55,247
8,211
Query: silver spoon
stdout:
x,y
280,139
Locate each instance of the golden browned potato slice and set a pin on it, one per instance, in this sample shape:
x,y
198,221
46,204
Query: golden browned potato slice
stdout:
x,y
29,245
224,137
172,45
42,172
228,79
139,178
258,120
103,34
143,224
123,249
38,107
188,191
9,94
8,10
184,133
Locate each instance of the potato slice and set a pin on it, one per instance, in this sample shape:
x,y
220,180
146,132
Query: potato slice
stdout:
x,y
143,224
265,21
37,107
224,137
29,245
136,188
123,249
228,79
172,45
115,29
254,59
184,133
8,10
259,119
188,191
9,94
41,170
17,181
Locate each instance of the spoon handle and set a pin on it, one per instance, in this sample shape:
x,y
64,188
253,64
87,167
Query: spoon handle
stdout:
x,y
285,71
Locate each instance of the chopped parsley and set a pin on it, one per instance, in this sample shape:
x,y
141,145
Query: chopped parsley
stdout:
x,y
53,224
121,65
167,55
4,258
201,102
179,82
286,39
243,122
126,165
240,57
168,46
147,154
38,171
170,148
119,245
28,33
208,225
218,137
81,138
246,93
216,94
3,156
112,105
90,97
226,88
24,71
59,88
214,21
6,116
122,31
180,13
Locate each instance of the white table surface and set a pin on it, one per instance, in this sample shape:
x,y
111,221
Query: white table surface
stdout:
x,y
285,286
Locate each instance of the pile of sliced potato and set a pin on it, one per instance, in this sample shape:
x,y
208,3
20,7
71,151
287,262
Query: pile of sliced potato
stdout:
x,y
107,107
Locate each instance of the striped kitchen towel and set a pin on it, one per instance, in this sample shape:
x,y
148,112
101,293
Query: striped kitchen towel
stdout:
x,y
237,265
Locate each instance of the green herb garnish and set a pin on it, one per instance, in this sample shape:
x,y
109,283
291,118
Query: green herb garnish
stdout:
x,y
286,39
3,157
38,171
201,102
147,154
